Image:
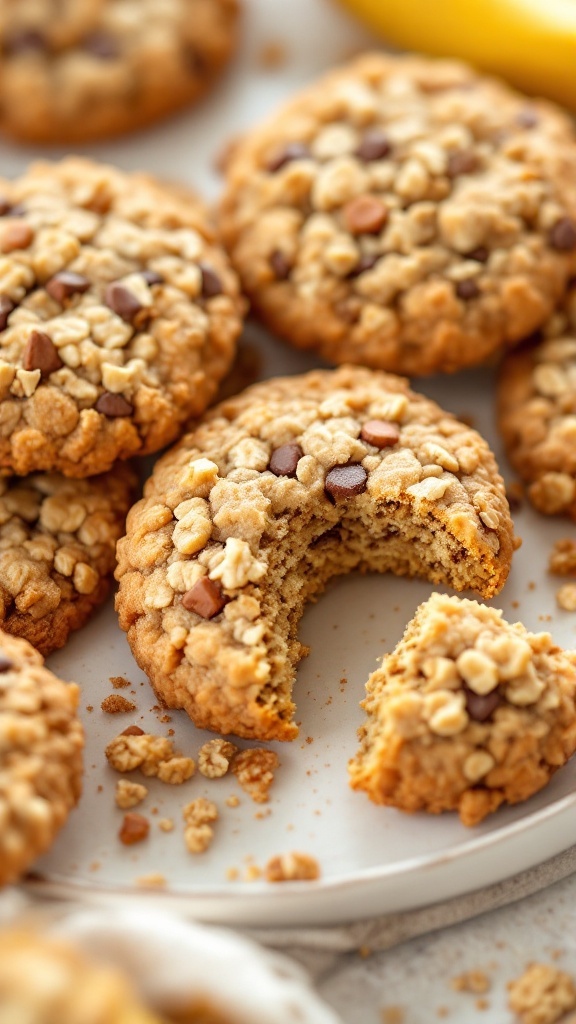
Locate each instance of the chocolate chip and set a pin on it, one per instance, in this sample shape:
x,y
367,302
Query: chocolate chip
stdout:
x,y
5,206
332,534
292,151
527,118
194,60
211,283
366,262
152,277
65,284
102,45
481,706
132,730
562,235
6,307
467,289
280,264
135,827
284,460
41,354
6,663
122,301
481,254
345,481
205,598
365,215
463,162
113,405
380,433
374,146
26,39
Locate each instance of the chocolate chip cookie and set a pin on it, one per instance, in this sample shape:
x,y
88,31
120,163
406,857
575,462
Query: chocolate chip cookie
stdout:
x,y
58,550
71,71
404,213
294,481
119,315
40,755
537,413
468,712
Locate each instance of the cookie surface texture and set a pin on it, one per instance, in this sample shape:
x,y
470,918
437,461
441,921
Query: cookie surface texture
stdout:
x,y
468,712
294,481
58,550
40,755
73,71
118,316
47,982
537,413
405,214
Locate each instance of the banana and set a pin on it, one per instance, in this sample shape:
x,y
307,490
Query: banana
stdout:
x,y
531,43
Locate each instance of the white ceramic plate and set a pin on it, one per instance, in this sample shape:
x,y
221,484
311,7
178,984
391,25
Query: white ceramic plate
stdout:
x,y
372,859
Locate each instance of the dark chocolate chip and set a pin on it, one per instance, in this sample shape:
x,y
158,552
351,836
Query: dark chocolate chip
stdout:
x,y
132,730
374,146
211,283
6,663
467,289
481,706
65,284
26,39
527,118
280,264
5,206
205,598
122,301
6,307
102,45
345,481
481,254
562,235
464,162
152,277
195,61
284,460
332,534
41,354
113,405
366,262
292,151
380,433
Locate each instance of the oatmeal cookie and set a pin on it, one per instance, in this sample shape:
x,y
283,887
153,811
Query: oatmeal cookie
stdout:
x,y
292,482
468,712
41,744
118,316
58,550
537,413
71,71
406,214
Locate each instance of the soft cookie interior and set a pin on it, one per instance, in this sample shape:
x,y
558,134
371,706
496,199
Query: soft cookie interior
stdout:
x,y
280,489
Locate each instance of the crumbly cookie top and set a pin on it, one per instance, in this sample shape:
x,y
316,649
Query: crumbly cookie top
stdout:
x,y
58,538
118,316
537,412
309,462
72,70
40,755
417,215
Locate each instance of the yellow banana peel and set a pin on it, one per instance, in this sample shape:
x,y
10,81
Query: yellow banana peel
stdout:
x,y
531,43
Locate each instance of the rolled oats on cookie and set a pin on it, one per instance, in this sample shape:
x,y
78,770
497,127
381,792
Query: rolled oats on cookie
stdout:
x,y
87,69
467,713
119,315
58,550
405,214
41,744
292,482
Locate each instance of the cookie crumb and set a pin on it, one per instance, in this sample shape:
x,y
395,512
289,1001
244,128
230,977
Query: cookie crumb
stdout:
x,y
135,828
252,873
176,770
233,801
119,682
392,1015
129,794
471,981
153,755
198,816
232,874
562,560
292,867
542,995
566,597
214,758
272,55
166,824
482,1004
254,768
115,704
153,881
